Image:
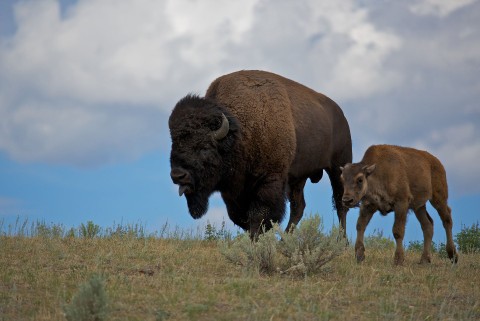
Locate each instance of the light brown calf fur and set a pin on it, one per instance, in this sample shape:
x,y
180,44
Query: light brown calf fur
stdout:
x,y
392,178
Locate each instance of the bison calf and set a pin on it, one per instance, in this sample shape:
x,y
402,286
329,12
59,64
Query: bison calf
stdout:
x,y
393,178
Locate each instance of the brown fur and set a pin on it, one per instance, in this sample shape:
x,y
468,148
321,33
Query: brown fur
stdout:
x,y
288,131
393,178
281,134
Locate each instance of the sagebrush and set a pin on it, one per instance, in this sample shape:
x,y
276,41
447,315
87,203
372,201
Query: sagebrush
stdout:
x,y
304,250
468,239
90,302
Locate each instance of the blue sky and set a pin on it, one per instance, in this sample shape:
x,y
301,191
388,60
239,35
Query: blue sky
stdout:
x,y
86,88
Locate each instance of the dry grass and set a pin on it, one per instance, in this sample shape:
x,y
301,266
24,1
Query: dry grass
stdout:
x,y
173,279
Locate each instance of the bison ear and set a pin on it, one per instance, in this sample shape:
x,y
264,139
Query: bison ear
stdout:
x,y
369,169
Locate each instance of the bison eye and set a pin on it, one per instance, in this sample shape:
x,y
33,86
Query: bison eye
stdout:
x,y
360,181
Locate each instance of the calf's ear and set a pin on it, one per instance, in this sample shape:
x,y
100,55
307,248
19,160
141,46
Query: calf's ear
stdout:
x,y
369,169
341,168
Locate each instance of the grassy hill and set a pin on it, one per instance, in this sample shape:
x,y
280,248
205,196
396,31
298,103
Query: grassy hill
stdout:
x,y
151,278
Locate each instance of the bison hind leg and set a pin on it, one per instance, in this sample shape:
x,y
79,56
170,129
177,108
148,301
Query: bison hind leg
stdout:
x,y
337,189
427,227
297,203
316,177
445,214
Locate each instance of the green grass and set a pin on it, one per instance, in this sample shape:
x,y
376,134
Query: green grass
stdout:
x,y
182,276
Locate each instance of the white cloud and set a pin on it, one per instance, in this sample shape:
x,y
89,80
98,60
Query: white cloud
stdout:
x,y
56,132
103,52
71,82
441,8
200,18
96,83
359,72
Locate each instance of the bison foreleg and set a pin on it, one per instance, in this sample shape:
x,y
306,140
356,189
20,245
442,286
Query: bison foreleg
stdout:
x,y
268,206
366,213
398,230
259,222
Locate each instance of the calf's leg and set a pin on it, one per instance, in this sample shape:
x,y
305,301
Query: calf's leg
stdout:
x,y
398,230
446,215
427,227
366,213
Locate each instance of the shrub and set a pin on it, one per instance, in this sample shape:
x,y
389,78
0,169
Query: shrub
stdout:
x,y
71,233
90,230
468,239
303,251
257,256
212,234
90,302
417,246
307,249
41,229
442,251
376,240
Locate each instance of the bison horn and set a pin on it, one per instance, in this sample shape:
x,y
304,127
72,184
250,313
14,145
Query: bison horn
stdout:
x,y
223,130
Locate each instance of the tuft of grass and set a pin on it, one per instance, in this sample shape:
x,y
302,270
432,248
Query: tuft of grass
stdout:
x,y
34,229
90,302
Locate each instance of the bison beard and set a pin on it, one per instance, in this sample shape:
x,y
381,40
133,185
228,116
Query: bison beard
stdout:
x,y
197,204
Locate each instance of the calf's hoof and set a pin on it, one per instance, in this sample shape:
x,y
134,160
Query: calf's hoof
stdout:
x,y
426,259
454,258
452,252
398,260
360,257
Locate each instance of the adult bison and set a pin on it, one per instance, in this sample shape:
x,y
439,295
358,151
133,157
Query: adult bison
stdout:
x,y
257,137
392,178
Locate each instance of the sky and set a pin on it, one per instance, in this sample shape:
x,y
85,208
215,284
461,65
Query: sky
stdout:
x,y
87,86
